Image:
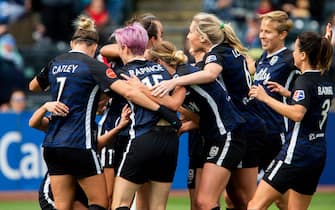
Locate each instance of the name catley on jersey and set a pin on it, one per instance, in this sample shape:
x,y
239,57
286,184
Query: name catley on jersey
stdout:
x,y
75,79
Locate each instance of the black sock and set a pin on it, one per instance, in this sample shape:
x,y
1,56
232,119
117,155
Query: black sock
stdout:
x,y
95,207
122,208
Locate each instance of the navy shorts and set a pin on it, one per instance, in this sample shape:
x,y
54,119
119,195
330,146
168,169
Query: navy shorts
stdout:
x,y
252,155
270,146
196,155
111,154
282,177
79,163
151,156
226,150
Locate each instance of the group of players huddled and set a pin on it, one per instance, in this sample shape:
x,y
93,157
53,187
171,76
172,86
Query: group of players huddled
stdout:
x,y
242,117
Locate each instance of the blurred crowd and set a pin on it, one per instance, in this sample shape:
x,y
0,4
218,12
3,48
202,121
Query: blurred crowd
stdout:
x,y
33,31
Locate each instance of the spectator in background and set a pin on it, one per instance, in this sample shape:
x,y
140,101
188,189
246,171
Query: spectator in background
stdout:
x,y
57,17
315,7
116,9
220,8
97,10
8,49
251,35
30,23
264,6
11,63
301,9
16,104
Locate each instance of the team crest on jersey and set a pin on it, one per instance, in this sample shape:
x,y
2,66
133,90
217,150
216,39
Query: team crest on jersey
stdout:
x,y
298,95
110,73
210,58
273,60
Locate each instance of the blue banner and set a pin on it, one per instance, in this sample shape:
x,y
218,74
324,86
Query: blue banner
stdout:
x,y
22,166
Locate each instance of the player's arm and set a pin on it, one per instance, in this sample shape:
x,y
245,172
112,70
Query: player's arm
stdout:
x,y
39,121
209,74
40,81
34,86
188,115
136,96
110,51
294,112
105,138
172,101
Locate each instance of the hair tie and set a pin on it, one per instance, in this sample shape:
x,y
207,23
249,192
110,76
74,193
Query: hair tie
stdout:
x,y
222,25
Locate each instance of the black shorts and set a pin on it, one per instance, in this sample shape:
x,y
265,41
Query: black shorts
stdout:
x,y
111,154
252,155
46,199
270,146
225,151
282,177
151,156
79,163
196,156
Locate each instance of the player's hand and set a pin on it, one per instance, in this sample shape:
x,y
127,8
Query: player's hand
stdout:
x,y
125,116
57,108
163,88
186,126
133,81
258,92
276,87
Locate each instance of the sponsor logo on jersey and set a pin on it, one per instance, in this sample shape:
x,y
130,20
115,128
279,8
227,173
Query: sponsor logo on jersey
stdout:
x,y
210,59
110,73
298,95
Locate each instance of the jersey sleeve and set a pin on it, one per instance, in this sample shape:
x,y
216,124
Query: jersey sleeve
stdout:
x,y
42,77
213,57
104,76
301,93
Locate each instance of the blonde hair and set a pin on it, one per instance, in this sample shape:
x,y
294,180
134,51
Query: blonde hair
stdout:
x,y
167,52
85,30
215,31
281,18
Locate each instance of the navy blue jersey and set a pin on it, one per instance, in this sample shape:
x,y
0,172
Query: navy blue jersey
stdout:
x,y
305,143
236,78
113,112
112,115
278,67
149,73
74,79
218,115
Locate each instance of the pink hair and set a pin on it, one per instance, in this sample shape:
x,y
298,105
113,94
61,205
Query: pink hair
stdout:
x,y
135,37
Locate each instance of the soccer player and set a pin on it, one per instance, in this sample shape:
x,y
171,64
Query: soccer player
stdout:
x,y
151,154
225,61
219,123
299,164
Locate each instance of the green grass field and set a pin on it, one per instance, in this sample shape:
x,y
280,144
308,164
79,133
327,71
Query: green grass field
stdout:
x,y
321,201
